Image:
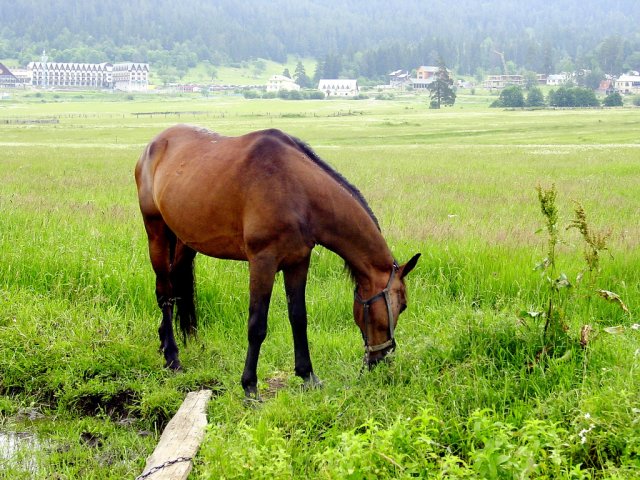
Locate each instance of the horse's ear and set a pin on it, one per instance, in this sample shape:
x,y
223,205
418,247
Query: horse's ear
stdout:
x,y
407,267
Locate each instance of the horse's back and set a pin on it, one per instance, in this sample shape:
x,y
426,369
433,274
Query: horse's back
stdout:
x,y
224,196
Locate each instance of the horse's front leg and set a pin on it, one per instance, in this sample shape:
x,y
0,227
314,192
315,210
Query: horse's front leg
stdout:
x,y
261,277
295,282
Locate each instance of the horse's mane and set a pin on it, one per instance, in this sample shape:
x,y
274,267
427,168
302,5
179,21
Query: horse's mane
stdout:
x,y
355,193
308,151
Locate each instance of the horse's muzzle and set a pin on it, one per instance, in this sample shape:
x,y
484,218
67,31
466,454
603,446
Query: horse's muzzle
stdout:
x,y
371,359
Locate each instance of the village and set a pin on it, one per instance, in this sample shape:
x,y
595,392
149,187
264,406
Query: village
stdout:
x,y
135,77
319,240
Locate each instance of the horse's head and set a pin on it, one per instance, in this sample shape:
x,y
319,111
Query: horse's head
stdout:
x,y
377,315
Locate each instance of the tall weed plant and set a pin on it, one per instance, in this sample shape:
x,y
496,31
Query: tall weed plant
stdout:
x,y
561,294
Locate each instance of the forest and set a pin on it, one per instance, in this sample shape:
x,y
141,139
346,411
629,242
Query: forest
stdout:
x,y
354,38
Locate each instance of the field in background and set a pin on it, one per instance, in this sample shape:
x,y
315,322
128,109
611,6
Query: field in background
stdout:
x,y
465,394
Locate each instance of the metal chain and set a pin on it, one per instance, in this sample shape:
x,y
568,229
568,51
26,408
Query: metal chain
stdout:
x,y
168,463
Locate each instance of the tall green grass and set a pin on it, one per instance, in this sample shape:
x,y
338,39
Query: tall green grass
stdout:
x,y
464,396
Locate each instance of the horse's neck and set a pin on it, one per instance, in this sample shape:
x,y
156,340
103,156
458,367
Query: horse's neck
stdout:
x,y
354,236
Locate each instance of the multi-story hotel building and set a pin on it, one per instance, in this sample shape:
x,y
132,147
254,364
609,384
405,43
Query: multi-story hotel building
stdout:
x,y
121,76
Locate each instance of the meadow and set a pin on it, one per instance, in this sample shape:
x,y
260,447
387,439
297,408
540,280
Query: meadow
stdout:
x,y
471,391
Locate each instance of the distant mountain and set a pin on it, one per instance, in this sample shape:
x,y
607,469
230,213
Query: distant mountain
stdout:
x,y
356,37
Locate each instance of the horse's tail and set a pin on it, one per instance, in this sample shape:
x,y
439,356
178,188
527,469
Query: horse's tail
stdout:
x,y
183,280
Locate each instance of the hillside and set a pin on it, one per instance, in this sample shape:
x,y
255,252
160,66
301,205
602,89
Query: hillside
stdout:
x,y
355,37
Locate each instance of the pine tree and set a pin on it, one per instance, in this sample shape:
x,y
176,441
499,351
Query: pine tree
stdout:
x,y
300,76
332,65
441,88
319,73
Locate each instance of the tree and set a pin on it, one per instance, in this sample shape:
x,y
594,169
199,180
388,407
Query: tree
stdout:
x,y
530,80
286,73
441,89
332,66
212,71
613,100
300,76
535,98
560,97
168,75
259,67
563,97
319,73
573,97
632,62
588,35
510,97
610,53
547,58
479,75
585,97
592,79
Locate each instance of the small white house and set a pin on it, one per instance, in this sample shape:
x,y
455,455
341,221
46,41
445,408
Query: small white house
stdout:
x,y
339,87
558,79
280,82
628,84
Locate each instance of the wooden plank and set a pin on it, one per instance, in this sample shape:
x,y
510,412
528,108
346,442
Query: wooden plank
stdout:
x,y
180,440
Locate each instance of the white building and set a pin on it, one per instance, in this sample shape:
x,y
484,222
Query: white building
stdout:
x,y
339,87
123,76
628,84
22,75
558,79
280,82
55,74
499,82
130,77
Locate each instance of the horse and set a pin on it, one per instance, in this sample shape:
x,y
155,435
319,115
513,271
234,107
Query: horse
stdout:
x,y
267,198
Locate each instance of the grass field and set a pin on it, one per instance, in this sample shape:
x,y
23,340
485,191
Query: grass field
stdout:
x,y
468,393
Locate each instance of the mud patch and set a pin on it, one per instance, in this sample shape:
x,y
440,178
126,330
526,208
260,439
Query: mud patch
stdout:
x,y
275,383
116,406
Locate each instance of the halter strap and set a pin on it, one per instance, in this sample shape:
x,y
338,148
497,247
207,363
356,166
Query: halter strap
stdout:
x,y
367,305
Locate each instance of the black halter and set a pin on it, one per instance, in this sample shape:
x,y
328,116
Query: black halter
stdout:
x,y
367,304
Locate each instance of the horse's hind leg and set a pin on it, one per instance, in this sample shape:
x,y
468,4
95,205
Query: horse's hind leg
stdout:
x,y
183,283
295,282
161,246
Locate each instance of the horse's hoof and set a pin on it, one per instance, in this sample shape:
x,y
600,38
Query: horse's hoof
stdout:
x,y
253,402
252,397
173,365
312,382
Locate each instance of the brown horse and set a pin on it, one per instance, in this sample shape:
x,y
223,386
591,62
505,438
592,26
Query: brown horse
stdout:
x,y
266,198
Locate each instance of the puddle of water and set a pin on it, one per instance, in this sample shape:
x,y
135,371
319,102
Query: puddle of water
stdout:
x,y
18,450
